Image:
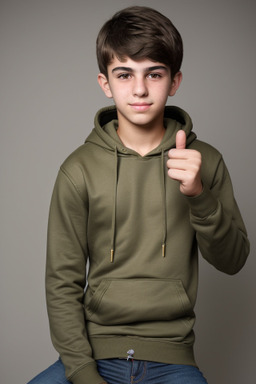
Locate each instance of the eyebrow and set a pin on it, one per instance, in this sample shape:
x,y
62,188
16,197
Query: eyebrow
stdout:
x,y
129,69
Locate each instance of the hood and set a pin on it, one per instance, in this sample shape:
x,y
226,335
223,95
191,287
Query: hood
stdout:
x,y
104,134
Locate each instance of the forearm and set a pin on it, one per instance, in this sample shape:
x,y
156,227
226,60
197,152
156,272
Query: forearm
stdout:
x,y
220,232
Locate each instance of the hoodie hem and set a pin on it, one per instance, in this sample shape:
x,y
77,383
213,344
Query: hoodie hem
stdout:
x,y
149,350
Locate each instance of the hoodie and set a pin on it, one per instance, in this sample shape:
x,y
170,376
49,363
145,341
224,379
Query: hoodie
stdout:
x,y
121,214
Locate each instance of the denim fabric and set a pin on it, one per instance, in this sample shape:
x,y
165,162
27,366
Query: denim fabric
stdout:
x,y
55,374
117,371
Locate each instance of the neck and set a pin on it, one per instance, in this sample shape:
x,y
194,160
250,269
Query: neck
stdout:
x,y
141,139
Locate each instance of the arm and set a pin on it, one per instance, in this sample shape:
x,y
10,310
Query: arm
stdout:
x,y
214,214
66,280
220,230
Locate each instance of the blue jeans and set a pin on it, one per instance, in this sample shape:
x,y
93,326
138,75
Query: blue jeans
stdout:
x,y
117,371
55,374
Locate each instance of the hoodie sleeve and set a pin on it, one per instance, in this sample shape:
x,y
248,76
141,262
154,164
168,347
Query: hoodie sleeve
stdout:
x,y
66,279
215,216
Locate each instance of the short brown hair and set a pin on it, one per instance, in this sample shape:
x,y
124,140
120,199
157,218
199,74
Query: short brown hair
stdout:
x,y
139,32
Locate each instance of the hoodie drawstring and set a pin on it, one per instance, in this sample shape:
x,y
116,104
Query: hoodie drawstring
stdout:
x,y
113,225
163,190
163,202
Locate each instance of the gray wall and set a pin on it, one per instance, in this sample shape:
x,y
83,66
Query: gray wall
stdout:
x,y
49,95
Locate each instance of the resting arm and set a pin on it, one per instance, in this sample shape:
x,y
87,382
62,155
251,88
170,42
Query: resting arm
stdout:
x,y
66,280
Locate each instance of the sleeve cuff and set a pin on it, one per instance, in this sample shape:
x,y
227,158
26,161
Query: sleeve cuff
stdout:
x,y
87,375
203,205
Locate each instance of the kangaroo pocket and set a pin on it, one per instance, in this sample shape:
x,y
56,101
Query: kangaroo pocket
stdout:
x,y
123,301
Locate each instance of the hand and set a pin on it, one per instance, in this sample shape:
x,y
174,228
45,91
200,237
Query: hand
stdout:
x,y
184,166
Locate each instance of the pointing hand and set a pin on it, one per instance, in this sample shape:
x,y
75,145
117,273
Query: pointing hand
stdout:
x,y
184,166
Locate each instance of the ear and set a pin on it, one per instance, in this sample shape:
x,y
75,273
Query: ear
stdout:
x,y
104,84
175,83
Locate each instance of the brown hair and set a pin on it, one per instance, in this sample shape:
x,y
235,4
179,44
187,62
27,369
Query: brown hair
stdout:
x,y
139,32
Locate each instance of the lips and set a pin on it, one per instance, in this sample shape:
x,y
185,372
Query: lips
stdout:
x,y
141,107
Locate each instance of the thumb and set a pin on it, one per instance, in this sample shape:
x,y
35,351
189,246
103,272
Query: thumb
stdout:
x,y
181,139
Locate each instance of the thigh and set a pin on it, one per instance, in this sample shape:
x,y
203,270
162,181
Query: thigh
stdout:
x,y
115,371
55,374
158,373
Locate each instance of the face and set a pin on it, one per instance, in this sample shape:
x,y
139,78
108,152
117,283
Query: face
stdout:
x,y
140,90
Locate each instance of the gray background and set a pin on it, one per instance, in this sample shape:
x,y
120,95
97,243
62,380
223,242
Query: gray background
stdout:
x,y
49,95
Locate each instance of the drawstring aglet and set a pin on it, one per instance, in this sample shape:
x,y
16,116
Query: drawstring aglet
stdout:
x,y
163,250
111,255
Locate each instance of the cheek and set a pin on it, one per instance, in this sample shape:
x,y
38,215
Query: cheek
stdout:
x,y
120,95
161,88
163,94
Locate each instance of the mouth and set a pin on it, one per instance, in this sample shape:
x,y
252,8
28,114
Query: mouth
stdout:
x,y
141,107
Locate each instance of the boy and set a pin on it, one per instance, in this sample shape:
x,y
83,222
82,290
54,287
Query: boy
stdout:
x,y
136,201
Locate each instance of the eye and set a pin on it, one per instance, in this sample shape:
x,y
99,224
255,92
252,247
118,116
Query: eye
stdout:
x,y
154,75
124,76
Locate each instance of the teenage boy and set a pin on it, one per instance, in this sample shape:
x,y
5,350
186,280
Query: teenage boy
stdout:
x,y
136,201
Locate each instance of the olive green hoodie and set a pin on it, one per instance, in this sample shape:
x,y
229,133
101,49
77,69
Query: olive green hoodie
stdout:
x,y
122,212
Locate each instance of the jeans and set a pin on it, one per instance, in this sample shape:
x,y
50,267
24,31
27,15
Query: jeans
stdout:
x,y
117,371
55,374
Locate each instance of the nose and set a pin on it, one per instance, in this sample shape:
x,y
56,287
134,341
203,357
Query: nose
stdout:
x,y
140,87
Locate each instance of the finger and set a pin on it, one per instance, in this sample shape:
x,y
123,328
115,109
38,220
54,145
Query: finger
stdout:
x,y
177,164
176,174
181,139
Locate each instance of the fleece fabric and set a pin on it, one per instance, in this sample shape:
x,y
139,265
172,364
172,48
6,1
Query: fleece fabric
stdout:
x,y
120,213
